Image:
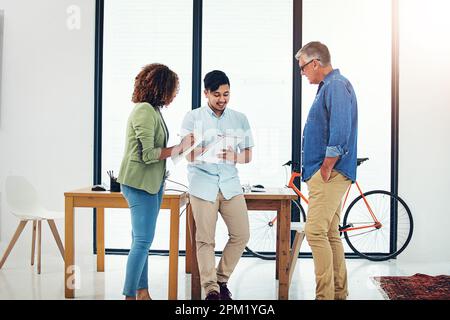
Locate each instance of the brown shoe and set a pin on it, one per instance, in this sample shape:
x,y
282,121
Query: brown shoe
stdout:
x,y
213,295
225,294
143,294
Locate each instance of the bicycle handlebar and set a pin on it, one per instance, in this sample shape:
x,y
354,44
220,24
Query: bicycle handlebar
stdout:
x,y
295,165
291,163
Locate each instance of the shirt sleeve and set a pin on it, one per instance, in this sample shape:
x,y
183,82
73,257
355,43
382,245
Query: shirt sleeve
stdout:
x,y
187,126
339,106
247,141
144,125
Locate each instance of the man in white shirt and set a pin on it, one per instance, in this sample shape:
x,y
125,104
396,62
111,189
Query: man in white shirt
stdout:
x,y
215,187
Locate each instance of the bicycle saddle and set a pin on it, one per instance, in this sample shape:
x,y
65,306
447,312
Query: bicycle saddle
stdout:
x,y
360,160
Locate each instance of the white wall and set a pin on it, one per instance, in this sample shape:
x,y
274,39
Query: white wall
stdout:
x,y
46,113
424,125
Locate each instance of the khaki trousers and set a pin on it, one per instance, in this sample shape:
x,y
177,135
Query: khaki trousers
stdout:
x,y
322,233
234,213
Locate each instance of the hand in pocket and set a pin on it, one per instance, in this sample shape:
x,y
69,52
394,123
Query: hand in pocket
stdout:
x,y
325,174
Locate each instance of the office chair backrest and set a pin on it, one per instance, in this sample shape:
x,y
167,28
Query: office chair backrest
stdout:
x,y
21,196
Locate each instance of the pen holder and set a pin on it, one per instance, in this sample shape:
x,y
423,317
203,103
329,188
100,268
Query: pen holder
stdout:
x,y
114,185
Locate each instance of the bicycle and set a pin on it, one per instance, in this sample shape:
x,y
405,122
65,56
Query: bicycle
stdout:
x,y
377,224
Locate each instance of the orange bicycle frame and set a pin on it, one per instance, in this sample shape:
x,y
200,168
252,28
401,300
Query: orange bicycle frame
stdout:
x,y
294,187
376,224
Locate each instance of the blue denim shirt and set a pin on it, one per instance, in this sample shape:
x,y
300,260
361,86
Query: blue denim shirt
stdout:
x,y
331,128
206,179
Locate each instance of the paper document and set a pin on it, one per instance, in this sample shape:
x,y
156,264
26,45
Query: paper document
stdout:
x,y
217,146
197,142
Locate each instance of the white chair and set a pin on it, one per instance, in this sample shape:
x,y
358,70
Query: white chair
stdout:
x,y
22,201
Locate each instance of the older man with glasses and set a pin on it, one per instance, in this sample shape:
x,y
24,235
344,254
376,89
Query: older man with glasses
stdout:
x,y
328,166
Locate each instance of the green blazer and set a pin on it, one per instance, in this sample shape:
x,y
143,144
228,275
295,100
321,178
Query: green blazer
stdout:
x,y
146,135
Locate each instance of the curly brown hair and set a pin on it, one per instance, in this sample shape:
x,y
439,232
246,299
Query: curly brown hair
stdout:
x,y
155,84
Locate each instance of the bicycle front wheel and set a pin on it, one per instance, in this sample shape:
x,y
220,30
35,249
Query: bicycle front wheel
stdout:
x,y
382,242
263,232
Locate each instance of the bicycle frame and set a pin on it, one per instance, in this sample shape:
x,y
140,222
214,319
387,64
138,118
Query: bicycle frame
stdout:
x,y
376,223
376,202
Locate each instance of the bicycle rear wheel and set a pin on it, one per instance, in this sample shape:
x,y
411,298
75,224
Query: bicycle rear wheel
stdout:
x,y
263,232
375,243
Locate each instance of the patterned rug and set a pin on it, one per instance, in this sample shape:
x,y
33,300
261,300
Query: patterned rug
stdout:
x,y
416,287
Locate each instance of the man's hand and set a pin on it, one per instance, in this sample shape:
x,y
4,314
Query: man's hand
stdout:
x,y
228,155
325,173
327,167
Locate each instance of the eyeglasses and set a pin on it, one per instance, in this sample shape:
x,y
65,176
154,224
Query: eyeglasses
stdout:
x,y
302,68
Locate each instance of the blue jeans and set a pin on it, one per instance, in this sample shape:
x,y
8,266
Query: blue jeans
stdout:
x,y
144,212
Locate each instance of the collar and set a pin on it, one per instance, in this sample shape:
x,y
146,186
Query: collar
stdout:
x,y
211,112
328,78
331,74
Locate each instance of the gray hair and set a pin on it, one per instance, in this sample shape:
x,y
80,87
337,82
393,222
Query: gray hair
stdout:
x,y
315,50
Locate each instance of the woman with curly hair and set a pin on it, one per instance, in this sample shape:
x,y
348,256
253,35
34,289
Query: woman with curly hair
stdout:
x,y
143,168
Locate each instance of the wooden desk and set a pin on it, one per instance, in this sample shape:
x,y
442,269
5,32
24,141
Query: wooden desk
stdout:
x,y
100,200
273,199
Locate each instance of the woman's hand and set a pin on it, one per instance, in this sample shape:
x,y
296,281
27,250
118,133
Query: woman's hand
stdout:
x,y
178,149
187,142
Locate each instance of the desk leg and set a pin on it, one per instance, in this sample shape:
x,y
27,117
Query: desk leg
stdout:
x,y
196,291
173,250
277,258
69,252
188,261
284,219
100,230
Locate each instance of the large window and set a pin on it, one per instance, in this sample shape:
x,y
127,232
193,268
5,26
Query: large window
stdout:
x,y
358,35
136,33
256,55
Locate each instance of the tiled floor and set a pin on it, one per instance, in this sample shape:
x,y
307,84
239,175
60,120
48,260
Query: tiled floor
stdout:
x,y
252,279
